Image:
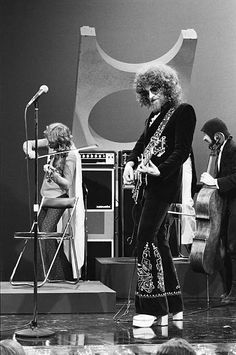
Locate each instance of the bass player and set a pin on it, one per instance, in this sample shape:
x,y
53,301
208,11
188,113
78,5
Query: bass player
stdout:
x,y
225,182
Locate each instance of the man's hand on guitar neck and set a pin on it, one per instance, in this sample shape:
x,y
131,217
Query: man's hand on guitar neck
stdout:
x,y
149,168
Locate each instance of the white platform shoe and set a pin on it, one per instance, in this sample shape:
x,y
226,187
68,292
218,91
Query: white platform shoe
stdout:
x,y
147,320
178,316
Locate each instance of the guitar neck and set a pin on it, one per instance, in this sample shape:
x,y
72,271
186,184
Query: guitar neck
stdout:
x,y
152,147
146,156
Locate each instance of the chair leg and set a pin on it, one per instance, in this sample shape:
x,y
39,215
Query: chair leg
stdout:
x,y
14,283
42,258
76,262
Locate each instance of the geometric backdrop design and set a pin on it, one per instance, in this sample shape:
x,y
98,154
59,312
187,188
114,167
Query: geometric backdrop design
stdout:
x,y
104,115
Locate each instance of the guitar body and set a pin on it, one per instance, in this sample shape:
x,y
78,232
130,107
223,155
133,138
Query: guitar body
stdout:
x,y
138,189
209,211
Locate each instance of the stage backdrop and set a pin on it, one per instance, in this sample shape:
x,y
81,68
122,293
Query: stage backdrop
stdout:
x,y
40,45
103,81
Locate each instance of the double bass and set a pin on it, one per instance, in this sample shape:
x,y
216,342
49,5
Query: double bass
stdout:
x,y
209,213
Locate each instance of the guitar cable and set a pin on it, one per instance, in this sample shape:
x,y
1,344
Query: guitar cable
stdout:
x,y
118,317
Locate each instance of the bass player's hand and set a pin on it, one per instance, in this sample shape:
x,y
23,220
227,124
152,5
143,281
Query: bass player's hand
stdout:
x,y
207,179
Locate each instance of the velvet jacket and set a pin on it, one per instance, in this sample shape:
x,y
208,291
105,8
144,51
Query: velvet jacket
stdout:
x,y
226,177
179,135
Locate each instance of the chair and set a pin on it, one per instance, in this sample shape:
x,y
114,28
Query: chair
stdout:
x,y
70,205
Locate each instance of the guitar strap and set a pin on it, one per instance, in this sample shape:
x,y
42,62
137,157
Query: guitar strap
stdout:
x,y
152,148
155,139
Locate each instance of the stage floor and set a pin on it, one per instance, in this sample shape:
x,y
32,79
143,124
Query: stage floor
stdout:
x,y
82,297
211,331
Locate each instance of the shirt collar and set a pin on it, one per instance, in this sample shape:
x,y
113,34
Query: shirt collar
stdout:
x,y
222,146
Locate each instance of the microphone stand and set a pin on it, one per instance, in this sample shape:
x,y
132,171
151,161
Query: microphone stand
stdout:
x,y
34,331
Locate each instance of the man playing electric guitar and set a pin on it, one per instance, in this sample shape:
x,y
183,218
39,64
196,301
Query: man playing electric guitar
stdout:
x,y
172,122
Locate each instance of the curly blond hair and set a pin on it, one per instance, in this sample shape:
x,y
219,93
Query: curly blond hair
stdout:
x,y
160,76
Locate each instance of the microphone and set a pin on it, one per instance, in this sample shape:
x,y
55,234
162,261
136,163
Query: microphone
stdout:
x,y
42,89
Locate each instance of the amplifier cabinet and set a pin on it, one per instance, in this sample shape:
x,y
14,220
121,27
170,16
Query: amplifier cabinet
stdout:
x,y
100,184
126,203
98,172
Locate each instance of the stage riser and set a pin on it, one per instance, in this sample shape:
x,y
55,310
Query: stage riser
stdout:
x,y
117,273
86,297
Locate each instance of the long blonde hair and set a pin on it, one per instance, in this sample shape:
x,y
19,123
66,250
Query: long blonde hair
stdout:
x,y
59,134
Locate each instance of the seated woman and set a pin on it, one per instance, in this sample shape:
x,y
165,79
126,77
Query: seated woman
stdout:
x,y
63,178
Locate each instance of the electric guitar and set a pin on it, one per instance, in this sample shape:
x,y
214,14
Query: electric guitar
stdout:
x,y
155,147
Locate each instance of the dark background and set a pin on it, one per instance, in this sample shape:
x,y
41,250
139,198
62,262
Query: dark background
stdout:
x,y
40,45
